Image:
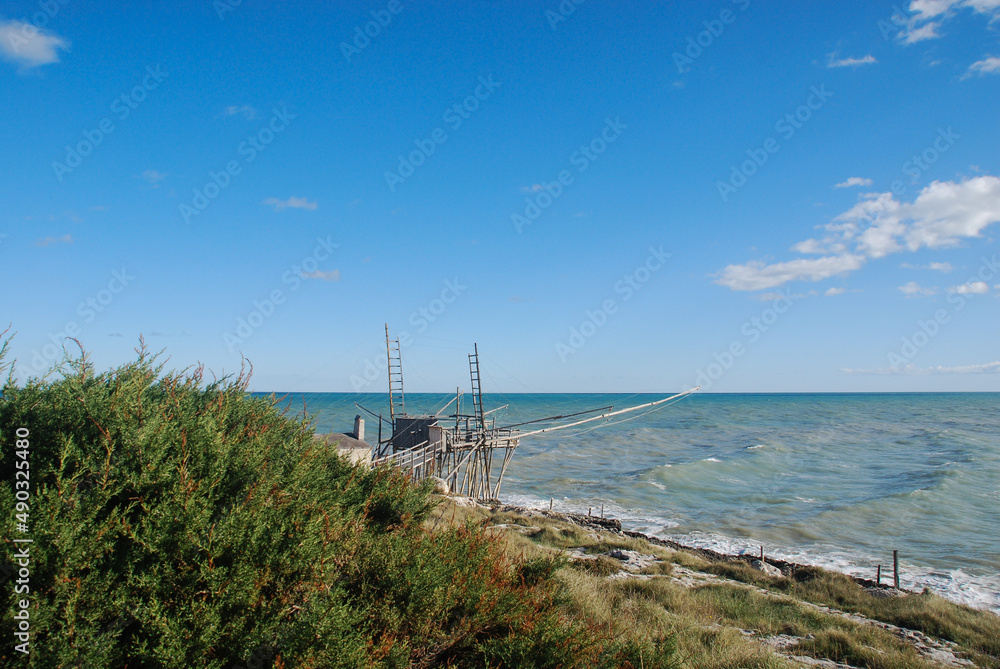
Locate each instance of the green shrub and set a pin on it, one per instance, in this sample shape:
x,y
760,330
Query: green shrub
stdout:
x,y
178,523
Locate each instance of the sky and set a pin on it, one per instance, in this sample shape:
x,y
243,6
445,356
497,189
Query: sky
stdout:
x,y
605,197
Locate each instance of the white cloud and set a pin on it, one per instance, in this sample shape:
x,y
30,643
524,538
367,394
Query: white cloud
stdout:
x,y
49,241
911,370
971,288
290,203
947,211
988,65
333,275
931,9
854,181
831,292
849,62
755,275
914,289
941,216
829,244
534,188
247,111
989,367
935,266
25,44
927,31
926,16
153,177
771,297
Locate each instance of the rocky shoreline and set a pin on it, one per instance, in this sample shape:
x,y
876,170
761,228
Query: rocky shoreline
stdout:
x,y
767,565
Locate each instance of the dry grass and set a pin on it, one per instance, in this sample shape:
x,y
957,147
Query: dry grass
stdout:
x,y
598,566
976,632
659,607
706,620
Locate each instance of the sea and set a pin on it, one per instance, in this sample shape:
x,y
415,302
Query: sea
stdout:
x,y
834,480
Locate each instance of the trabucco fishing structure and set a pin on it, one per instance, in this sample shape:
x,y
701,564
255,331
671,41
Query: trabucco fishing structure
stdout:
x,y
467,450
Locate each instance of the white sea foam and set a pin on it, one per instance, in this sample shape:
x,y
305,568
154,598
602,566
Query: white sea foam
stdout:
x,y
978,591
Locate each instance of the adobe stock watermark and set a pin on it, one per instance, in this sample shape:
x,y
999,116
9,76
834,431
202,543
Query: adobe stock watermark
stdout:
x,y
264,309
223,7
381,18
421,320
28,30
786,126
548,192
249,148
595,319
896,24
926,331
751,331
87,310
563,11
122,107
696,44
453,116
923,161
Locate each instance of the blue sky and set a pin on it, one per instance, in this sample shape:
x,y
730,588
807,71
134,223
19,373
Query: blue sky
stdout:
x,y
614,197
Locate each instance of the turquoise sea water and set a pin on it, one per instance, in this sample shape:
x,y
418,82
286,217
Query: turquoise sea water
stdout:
x,y
838,480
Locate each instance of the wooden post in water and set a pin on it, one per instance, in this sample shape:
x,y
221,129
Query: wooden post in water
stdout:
x,y
590,511
550,504
602,511
761,553
878,574
895,569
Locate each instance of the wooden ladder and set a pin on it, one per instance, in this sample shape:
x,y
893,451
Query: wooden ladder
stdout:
x,y
396,403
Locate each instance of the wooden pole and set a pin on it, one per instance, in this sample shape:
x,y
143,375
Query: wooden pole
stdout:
x,y
895,569
761,553
878,574
590,510
602,511
550,504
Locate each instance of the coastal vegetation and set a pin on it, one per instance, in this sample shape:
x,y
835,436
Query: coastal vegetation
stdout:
x,y
725,613
182,522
